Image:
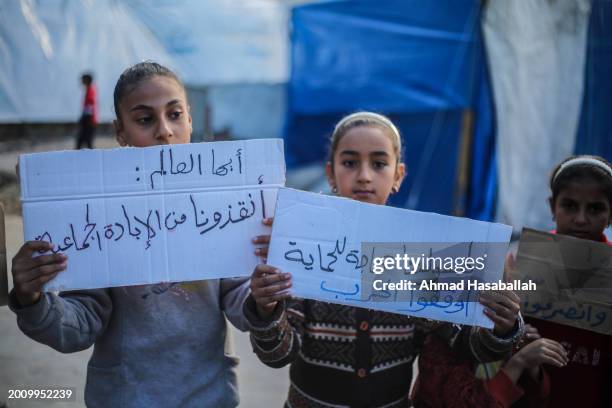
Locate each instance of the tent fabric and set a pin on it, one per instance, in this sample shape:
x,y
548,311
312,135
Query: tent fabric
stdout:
x,y
421,65
480,203
536,55
46,46
220,41
373,55
595,131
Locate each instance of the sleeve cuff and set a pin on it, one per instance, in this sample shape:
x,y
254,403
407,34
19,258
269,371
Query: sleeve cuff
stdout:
x,y
503,390
515,335
32,315
269,329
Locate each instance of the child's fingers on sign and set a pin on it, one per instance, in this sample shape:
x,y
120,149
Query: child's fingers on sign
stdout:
x,y
502,299
25,267
262,251
269,285
502,308
263,240
30,273
30,247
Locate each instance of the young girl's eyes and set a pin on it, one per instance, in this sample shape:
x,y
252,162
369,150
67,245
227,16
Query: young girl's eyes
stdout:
x,y
349,163
596,208
176,114
143,120
379,164
568,205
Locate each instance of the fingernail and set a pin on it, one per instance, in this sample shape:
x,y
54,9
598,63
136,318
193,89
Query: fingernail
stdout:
x,y
258,251
286,275
254,240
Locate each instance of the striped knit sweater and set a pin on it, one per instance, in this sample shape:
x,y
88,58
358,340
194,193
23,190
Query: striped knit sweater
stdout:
x,y
344,356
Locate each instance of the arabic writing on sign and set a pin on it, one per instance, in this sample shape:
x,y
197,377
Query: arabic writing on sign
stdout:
x,y
325,260
169,165
151,223
550,311
339,255
448,303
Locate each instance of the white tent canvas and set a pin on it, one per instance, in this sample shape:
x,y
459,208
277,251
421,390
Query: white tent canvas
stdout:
x,y
46,46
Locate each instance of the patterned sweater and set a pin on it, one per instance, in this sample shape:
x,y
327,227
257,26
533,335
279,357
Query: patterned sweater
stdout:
x,y
344,356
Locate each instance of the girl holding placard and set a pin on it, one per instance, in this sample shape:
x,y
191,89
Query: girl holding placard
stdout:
x,y
347,356
154,345
557,365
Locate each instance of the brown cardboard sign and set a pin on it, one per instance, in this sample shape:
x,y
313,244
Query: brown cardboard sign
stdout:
x,y
573,278
3,265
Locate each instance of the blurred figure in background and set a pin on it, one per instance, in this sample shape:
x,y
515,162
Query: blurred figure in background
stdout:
x,y
89,117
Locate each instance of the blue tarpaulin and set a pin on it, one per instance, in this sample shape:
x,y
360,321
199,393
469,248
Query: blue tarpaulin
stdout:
x,y
595,129
418,62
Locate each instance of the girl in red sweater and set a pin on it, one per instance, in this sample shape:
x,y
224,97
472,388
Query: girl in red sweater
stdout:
x,y
558,365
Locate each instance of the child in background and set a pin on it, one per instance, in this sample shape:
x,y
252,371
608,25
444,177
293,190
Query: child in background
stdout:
x,y
570,366
89,117
581,205
348,356
154,345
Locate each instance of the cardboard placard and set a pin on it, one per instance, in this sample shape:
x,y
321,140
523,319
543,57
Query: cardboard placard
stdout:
x,y
132,216
574,280
319,238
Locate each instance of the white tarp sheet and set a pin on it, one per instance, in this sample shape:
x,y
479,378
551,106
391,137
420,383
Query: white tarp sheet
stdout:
x,y
221,41
46,46
537,52
147,215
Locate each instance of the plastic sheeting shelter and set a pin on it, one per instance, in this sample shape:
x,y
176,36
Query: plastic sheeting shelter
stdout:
x,y
46,46
421,64
595,129
232,56
537,52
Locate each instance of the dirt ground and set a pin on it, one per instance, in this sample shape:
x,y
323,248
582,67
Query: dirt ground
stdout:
x,y
25,363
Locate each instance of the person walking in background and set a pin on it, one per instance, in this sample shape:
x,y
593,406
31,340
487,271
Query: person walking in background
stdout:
x,y
89,117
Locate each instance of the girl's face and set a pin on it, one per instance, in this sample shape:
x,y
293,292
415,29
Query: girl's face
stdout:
x,y
582,210
155,112
365,165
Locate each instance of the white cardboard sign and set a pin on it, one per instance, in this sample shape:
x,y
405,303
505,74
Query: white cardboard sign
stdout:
x,y
318,239
132,216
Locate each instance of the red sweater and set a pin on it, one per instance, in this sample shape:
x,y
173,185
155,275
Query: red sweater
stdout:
x,y
447,380
90,103
587,379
